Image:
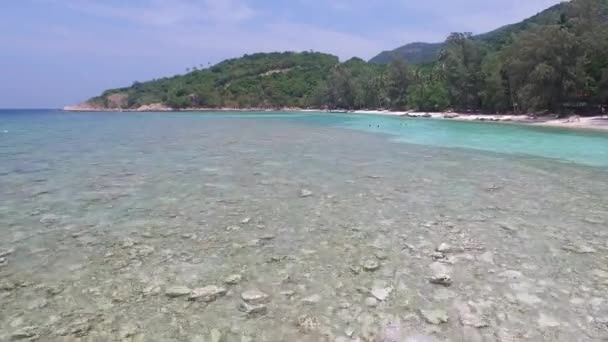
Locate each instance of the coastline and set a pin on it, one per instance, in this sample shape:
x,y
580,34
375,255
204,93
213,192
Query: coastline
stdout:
x,y
598,122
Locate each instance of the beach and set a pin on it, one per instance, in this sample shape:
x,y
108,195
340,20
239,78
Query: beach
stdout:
x,y
596,122
599,122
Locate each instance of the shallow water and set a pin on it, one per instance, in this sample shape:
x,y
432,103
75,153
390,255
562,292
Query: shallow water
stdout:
x,y
102,213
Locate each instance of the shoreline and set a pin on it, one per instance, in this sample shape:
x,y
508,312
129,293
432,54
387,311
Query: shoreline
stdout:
x,y
598,122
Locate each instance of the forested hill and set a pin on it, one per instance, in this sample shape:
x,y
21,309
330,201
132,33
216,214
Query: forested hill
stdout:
x,y
420,52
556,62
257,80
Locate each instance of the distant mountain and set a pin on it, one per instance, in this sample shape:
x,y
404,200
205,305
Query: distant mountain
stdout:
x,y
421,53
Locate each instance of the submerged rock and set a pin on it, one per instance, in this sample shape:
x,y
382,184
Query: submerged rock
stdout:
x,y
37,303
355,269
232,228
441,279
151,291
253,309
53,290
24,333
233,279
79,327
381,293
371,302
472,316
254,296
435,317
305,193
6,252
177,291
308,324
49,219
370,265
128,330
579,249
437,256
380,255
288,293
445,248
128,243
267,237
311,300
207,293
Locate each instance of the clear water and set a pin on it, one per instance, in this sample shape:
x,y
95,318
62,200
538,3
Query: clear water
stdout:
x,y
582,147
101,213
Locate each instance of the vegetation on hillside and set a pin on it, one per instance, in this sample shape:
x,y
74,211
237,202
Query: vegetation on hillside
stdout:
x,y
413,53
424,53
257,80
556,61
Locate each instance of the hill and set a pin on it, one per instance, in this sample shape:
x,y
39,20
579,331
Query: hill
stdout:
x,y
258,80
421,53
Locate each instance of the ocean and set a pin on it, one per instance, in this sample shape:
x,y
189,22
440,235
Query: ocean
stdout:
x,y
345,223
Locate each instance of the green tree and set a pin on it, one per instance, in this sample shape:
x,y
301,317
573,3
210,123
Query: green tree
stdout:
x,y
461,62
397,83
340,88
495,93
428,91
544,68
589,23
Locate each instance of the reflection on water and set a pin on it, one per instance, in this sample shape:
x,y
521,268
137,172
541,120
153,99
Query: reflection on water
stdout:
x,y
190,228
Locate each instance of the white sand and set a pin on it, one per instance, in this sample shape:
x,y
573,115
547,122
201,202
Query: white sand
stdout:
x,y
592,122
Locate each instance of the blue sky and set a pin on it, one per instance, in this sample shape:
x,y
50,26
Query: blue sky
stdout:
x,y
59,52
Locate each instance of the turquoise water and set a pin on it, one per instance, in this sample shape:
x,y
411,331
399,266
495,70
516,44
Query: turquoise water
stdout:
x,y
576,146
584,147
338,221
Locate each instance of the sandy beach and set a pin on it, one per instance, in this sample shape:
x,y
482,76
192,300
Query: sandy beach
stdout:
x,y
591,122
598,122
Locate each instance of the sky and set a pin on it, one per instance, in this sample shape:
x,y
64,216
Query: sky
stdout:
x,y
59,52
